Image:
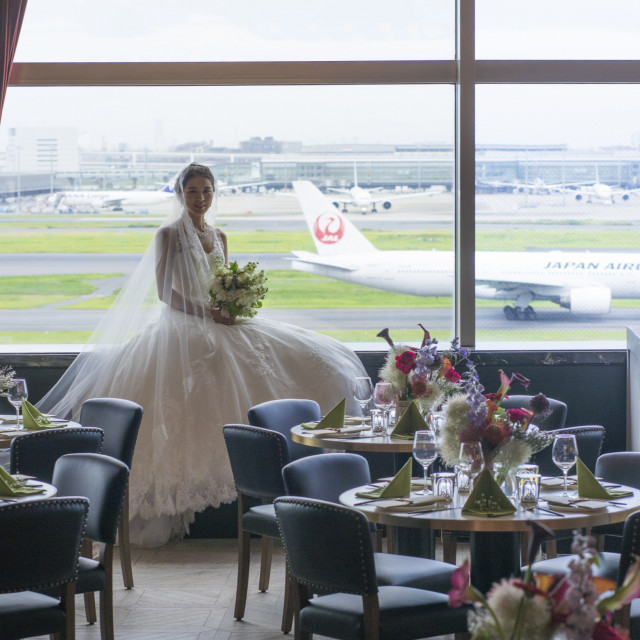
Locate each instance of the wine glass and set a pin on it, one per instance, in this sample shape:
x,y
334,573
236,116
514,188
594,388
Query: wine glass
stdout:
x,y
425,451
16,395
384,397
471,459
363,392
564,454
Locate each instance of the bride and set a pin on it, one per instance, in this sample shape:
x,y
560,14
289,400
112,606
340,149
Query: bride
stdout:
x,y
192,368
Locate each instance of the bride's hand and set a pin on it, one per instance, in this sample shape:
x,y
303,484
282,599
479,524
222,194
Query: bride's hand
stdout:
x,y
219,317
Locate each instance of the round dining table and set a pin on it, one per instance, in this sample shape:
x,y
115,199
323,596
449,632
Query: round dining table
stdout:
x,y
365,442
48,491
494,541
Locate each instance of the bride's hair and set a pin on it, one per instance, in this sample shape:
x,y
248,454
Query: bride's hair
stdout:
x,y
191,171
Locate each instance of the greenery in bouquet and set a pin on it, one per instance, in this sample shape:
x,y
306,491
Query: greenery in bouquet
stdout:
x,y
7,375
238,291
423,374
507,435
575,606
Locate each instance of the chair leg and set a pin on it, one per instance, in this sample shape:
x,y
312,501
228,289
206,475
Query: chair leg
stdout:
x,y
89,598
449,547
244,551
123,540
288,607
69,606
106,596
265,563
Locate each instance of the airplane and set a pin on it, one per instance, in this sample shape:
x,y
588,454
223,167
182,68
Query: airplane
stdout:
x,y
538,186
363,199
582,282
602,192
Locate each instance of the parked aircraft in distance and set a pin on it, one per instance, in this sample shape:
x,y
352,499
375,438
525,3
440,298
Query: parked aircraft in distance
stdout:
x,y
367,199
582,282
538,186
602,192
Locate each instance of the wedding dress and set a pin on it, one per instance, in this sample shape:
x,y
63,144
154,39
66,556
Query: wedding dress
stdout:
x,y
192,376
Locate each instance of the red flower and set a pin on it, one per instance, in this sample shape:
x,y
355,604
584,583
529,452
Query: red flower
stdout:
x,y
494,397
496,433
406,362
420,387
603,631
452,376
519,416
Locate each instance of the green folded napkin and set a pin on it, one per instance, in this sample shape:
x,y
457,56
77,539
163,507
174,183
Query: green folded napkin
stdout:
x,y
9,486
589,487
487,499
410,422
333,420
33,419
399,487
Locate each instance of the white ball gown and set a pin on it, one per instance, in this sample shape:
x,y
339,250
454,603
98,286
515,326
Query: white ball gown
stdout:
x,y
192,376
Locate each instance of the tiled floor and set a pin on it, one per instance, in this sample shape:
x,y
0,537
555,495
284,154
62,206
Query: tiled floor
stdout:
x,y
186,591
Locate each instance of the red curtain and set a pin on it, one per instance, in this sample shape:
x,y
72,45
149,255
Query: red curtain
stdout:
x,y
11,16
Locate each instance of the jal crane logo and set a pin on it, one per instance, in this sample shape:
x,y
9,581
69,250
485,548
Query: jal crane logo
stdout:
x,y
328,228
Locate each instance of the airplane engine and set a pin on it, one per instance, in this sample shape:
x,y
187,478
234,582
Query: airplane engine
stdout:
x,y
386,205
336,205
578,196
625,196
588,300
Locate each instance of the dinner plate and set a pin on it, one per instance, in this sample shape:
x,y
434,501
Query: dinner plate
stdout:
x,y
585,506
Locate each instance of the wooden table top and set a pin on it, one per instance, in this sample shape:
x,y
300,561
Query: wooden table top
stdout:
x,y
452,519
365,442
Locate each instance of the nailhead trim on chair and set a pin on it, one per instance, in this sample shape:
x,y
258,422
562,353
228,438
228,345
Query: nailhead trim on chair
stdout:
x,y
264,433
31,504
349,512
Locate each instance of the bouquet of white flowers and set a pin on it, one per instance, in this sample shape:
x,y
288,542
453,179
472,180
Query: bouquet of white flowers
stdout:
x,y
238,291
6,379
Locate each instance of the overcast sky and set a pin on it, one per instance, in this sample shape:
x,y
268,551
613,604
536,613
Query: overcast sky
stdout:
x,y
174,30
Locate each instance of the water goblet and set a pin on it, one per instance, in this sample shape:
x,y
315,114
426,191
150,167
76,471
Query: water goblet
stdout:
x,y
16,395
363,392
471,459
425,451
564,453
384,397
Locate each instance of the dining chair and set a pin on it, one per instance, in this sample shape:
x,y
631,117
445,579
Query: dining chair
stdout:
x,y
39,546
120,420
555,420
325,477
280,415
257,457
328,551
35,453
103,480
621,467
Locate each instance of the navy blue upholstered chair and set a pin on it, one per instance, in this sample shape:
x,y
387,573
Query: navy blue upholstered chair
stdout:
x,y
39,546
328,550
281,415
120,420
103,480
555,420
34,453
257,457
325,477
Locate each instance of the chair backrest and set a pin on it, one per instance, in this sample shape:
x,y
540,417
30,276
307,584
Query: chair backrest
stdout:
x,y
327,546
555,420
622,467
257,457
630,544
40,542
119,419
35,453
100,478
281,415
326,476
589,439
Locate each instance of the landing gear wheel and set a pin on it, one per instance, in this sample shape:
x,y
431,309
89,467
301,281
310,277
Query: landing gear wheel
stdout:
x,y
529,313
374,210
510,313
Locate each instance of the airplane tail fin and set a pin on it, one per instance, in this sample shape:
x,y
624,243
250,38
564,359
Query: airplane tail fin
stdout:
x,y
332,233
168,188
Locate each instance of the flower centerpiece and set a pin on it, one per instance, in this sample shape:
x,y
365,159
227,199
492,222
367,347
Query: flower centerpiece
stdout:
x,y
575,606
506,435
423,374
7,375
238,291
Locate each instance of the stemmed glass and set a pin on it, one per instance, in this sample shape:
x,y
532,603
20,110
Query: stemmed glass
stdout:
x,y
425,451
471,459
383,398
564,454
363,392
16,395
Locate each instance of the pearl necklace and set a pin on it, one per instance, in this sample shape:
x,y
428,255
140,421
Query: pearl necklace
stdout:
x,y
204,232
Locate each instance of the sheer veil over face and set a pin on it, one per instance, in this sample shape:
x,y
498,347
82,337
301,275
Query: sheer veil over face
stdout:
x,y
171,277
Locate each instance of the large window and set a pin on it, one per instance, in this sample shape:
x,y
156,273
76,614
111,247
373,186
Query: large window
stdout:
x,y
340,95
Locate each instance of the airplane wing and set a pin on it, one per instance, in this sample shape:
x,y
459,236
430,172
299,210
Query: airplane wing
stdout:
x,y
541,289
314,258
